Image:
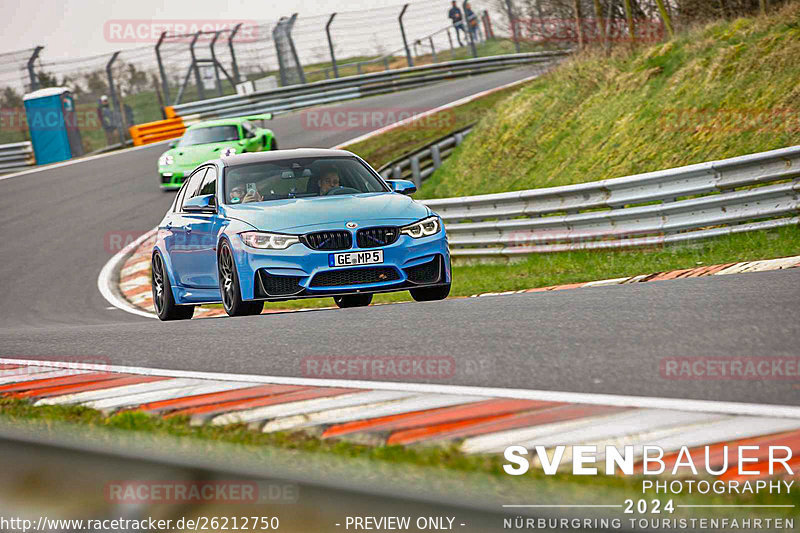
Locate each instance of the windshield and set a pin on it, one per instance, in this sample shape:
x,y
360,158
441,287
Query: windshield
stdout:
x,y
213,134
299,178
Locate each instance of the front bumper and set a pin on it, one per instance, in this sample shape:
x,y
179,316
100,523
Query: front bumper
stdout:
x,y
300,272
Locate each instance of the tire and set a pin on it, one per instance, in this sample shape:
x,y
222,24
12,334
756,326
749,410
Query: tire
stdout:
x,y
273,144
353,300
430,294
229,285
163,301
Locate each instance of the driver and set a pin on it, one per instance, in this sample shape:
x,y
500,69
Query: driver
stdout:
x,y
238,195
328,180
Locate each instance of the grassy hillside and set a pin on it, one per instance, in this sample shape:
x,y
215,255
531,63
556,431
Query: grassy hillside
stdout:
x,y
729,88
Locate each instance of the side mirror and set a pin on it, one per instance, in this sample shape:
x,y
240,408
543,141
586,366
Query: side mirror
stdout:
x,y
201,204
173,143
402,186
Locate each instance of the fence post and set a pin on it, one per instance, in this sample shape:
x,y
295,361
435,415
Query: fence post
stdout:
x,y
436,155
289,26
216,67
161,71
415,173
330,46
114,100
403,33
234,65
31,73
450,40
386,62
514,36
276,31
470,33
197,79
433,48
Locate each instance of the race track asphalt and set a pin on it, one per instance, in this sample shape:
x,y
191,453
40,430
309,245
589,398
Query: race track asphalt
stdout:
x,y
613,340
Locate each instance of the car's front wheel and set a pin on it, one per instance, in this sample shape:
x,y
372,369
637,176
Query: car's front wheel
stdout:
x,y
429,294
229,286
163,301
353,300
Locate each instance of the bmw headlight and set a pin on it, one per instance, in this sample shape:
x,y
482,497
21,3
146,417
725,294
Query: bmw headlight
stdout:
x,y
268,241
229,151
165,160
424,228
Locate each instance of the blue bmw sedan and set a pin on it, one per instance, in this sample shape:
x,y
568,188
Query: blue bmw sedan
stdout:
x,y
290,224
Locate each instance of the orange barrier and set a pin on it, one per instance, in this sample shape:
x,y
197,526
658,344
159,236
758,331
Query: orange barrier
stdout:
x,y
159,130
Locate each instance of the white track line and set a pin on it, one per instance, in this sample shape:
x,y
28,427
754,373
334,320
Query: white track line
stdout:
x,y
80,160
106,280
651,402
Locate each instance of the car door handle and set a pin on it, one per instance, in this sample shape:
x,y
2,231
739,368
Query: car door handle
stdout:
x,y
188,228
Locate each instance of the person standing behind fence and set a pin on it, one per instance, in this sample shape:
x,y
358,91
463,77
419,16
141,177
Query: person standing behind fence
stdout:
x,y
472,21
106,117
458,21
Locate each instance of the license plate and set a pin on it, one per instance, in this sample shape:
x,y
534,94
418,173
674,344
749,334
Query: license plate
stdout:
x,y
355,258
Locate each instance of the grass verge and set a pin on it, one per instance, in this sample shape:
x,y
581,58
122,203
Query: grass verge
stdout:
x,y
726,89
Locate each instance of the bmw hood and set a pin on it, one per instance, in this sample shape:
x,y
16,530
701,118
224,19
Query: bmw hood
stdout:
x,y
329,212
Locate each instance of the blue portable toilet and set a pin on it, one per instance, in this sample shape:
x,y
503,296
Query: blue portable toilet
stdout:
x,y
53,125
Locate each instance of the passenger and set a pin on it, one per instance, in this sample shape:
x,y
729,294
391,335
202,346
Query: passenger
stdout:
x,y
238,195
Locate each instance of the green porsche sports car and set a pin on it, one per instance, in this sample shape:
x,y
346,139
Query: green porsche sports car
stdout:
x,y
210,140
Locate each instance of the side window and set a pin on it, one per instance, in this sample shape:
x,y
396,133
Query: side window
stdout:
x,y
248,129
209,182
193,188
179,197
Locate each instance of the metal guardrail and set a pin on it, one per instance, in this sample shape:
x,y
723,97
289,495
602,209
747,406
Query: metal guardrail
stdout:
x,y
418,166
698,201
16,156
71,471
327,91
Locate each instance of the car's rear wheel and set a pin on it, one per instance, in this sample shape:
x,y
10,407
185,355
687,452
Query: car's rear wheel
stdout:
x,y
353,300
229,286
163,301
273,144
429,294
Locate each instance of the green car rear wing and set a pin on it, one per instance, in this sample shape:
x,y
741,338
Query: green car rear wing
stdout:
x,y
264,116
